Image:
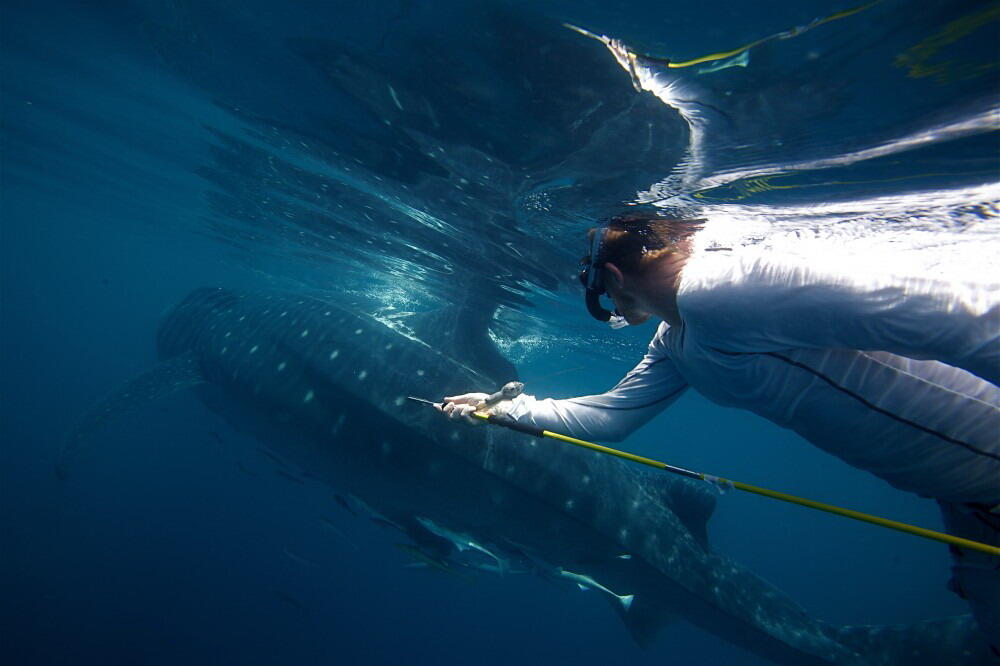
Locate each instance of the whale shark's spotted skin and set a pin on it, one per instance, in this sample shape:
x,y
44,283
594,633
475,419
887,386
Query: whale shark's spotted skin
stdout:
x,y
325,390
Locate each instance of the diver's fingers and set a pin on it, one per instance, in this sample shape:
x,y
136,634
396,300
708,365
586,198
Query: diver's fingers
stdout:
x,y
465,412
456,411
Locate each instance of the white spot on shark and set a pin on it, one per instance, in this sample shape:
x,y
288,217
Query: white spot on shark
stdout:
x,y
388,346
586,479
358,332
225,349
386,448
253,349
399,401
228,333
326,314
282,366
334,354
305,332
309,396
362,374
569,504
420,373
283,313
338,424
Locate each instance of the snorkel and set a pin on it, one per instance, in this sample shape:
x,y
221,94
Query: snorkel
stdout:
x,y
593,278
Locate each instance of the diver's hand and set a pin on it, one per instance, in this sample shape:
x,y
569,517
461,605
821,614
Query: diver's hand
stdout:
x,y
462,406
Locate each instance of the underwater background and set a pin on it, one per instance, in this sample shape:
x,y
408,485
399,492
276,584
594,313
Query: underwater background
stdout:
x,y
393,156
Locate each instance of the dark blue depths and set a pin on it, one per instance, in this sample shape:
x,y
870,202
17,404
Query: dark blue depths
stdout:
x,y
154,148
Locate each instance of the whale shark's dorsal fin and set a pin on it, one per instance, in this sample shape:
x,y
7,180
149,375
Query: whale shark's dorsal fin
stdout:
x,y
167,377
462,332
693,502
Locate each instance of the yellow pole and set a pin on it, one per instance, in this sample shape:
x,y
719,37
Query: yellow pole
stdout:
x,y
785,34
784,497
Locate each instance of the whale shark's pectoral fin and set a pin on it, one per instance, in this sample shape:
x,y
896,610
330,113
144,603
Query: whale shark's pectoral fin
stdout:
x,y
644,619
169,376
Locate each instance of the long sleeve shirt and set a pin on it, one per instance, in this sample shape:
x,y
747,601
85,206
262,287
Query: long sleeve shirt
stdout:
x,y
893,375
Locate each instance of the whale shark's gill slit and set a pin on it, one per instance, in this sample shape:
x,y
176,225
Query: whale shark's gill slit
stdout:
x,y
172,375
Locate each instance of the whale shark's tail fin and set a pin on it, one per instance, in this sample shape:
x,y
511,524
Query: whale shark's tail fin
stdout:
x,y
167,377
955,640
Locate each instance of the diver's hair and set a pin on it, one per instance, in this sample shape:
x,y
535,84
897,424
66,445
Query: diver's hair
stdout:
x,y
635,241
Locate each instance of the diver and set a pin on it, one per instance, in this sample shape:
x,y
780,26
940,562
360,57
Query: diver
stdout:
x,y
896,376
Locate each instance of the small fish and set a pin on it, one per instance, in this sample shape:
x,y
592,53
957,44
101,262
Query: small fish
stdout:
x,y
340,533
384,522
290,477
583,582
461,541
347,507
375,515
289,599
298,559
272,456
430,561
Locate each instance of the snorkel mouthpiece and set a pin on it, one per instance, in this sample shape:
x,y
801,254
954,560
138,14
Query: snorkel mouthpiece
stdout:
x,y
617,320
593,279
594,307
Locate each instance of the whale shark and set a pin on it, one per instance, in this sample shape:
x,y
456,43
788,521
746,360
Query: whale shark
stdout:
x,y
323,388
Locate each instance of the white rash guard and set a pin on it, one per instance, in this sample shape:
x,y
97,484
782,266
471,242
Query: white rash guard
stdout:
x,y
832,358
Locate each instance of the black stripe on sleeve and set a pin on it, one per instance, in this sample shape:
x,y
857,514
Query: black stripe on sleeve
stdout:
x,y
878,409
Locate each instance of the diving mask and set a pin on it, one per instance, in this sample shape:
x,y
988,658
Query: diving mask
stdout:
x,y
593,278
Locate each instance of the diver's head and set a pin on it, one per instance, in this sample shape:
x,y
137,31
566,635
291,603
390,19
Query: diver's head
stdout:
x,y
627,256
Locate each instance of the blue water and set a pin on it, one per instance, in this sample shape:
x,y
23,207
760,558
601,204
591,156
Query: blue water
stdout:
x,y
394,156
